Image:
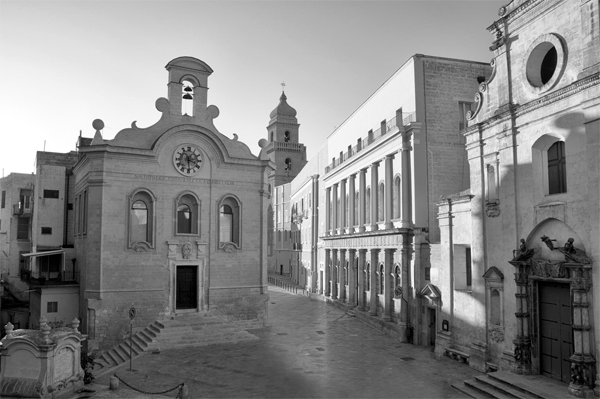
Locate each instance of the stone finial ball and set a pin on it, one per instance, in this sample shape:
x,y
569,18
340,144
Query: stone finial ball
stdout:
x,y
262,143
98,124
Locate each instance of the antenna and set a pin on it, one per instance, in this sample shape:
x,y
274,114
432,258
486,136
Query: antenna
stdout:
x,y
44,145
282,86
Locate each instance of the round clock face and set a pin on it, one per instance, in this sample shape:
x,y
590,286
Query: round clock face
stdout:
x,y
187,159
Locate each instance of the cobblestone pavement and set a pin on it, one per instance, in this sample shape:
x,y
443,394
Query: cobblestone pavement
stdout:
x,y
310,350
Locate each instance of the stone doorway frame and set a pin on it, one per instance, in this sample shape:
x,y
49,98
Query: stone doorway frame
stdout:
x,y
579,277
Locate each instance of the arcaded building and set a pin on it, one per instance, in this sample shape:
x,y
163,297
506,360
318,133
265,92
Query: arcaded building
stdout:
x,y
518,264
170,219
362,210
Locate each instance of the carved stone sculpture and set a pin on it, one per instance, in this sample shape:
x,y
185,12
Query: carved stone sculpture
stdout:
x,y
523,254
186,250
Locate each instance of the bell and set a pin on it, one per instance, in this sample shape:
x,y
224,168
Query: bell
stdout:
x,y
188,89
187,96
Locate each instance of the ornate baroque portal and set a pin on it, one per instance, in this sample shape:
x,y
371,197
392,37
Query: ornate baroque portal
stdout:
x,y
534,274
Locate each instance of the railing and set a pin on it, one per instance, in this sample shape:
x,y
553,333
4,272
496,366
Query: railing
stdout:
x,y
19,209
49,278
372,137
282,145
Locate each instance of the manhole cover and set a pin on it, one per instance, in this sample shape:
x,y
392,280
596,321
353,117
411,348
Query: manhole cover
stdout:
x,y
406,359
320,332
320,349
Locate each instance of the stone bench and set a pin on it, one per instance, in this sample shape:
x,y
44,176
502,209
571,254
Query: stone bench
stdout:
x,y
456,355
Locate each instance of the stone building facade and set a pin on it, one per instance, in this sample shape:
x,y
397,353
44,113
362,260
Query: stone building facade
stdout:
x,y
517,264
170,218
362,209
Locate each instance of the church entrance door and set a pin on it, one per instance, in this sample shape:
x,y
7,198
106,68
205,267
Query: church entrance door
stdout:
x,y
187,287
556,334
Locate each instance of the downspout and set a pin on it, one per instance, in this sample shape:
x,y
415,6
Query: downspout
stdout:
x,y
68,173
451,261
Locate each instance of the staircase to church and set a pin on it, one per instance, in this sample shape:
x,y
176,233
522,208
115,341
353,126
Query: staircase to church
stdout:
x,y
179,332
504,384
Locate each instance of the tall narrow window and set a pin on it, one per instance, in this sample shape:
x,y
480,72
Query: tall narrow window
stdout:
x,y
397,274
381,279
492,194
397,198
468,266
368,206
139,221
3,198
187,214
229,223
368,278
85,211
557,176
226,223
287,136
23,228
288,166
495,307
380,202
187,103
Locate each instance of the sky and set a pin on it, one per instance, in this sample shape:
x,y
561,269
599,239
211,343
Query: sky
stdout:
x,y
65,63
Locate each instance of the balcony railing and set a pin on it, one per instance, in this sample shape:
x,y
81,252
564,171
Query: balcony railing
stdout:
x,y
49,278
371,138
21,209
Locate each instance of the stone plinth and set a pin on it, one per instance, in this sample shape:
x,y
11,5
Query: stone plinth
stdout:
x,y
42,363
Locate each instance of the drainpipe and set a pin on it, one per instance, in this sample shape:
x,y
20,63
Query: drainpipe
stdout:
x,y
68,172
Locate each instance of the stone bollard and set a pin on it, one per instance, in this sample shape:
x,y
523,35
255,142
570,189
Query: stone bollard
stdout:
x,y
184,392
114,383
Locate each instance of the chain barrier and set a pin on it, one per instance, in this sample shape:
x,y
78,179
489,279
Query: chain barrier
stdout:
x,y
180,387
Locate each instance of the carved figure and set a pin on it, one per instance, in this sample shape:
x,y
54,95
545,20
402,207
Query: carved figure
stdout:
x,y
186,250
398,292
573,254
546,240
523,254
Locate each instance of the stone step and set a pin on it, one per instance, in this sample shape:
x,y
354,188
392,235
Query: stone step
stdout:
x,y
487,389
470,392
502,387
537,386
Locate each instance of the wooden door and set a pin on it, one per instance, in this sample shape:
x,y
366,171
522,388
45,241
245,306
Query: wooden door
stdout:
x,y
556,335
187,287
432,328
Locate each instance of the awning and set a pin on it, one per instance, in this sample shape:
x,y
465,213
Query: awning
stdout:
x,y
45,253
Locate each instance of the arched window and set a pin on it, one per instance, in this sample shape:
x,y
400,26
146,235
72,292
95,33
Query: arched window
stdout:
x,y
287,136
187,103
397,198
141,220
288,165
229,222
368,278
381,279
272,136
557,172
397,274
368,206
380,202
187,214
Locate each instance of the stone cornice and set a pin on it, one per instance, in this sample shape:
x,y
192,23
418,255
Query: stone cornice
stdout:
x,y
509,16
519,110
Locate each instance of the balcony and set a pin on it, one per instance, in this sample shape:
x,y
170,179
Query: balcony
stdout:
x,y
23,208
37,277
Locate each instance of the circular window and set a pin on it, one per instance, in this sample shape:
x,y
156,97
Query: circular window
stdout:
x,y
544,63
541,64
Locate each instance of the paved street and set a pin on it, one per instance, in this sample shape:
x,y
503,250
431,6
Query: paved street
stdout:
x,y
310,350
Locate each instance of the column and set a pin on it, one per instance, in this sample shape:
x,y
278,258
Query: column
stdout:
x,y
342,276
343,221
389,190
522,344
374,195
388,286
362,196
326,285
407,220
327,211
352,269
362,255
351,203
335,210
334,263
374,267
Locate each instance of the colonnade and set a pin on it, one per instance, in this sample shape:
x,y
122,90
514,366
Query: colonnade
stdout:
x,y
347,281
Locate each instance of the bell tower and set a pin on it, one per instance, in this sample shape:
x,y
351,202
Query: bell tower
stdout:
x,y
284,146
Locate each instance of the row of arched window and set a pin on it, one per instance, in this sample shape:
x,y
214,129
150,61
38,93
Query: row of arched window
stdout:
x,y
142,218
